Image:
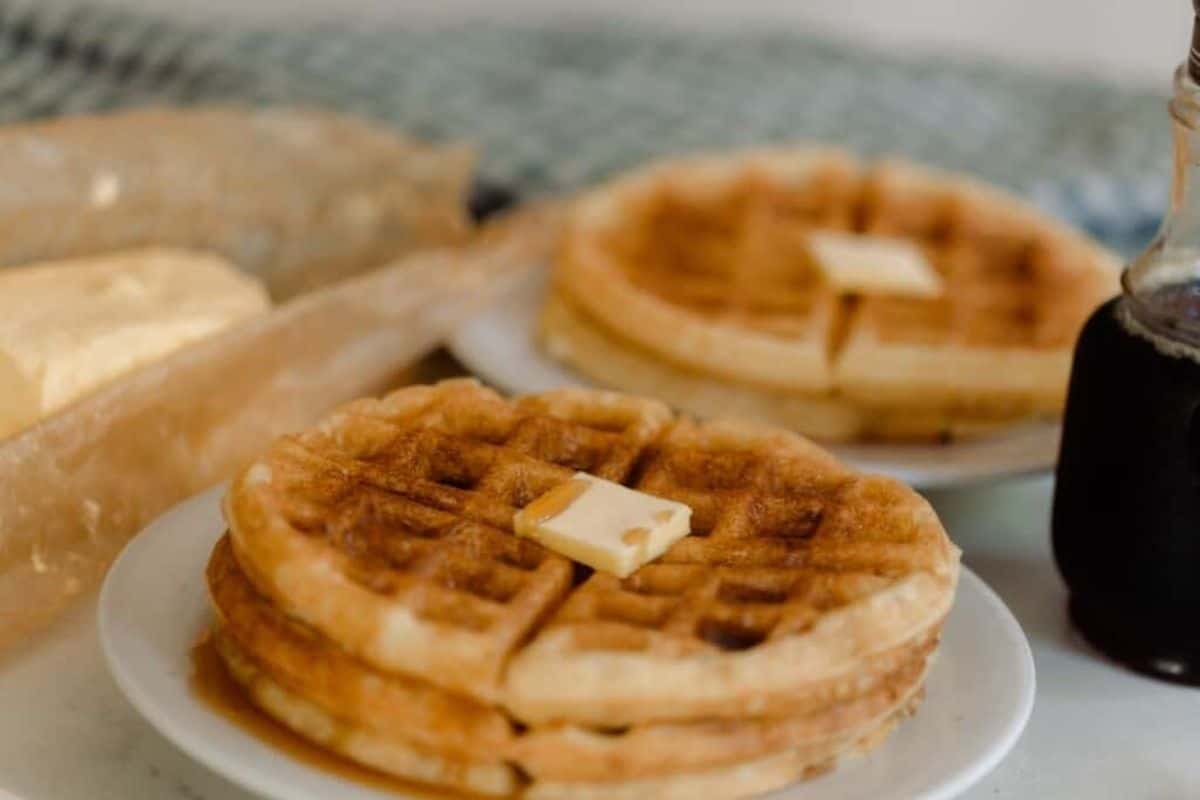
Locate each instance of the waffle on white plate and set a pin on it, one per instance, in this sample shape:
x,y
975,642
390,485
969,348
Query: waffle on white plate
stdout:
x,y
702,275
372,596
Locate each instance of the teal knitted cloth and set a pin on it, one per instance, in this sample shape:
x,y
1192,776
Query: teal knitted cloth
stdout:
x,y
553,109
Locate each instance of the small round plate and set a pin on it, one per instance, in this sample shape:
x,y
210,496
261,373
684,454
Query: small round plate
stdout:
x,y
499,346
154,605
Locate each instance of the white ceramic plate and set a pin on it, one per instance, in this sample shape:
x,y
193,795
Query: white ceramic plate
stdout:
x,y
498,345
154,605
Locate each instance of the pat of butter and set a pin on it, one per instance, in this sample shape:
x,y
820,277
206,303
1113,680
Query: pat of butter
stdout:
x,y
604,524
874,265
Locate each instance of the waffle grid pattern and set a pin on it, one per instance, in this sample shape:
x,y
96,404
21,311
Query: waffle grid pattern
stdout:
x,y
739,256
421,502
1007,283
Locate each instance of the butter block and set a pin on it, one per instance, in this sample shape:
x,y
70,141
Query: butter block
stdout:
x,y
878,265
68,327
603,524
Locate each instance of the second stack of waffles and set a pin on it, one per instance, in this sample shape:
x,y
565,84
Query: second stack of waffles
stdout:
x,y
372,597
695,279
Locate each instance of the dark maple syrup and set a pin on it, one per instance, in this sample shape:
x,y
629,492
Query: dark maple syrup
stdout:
x,y
1127,499
1126,521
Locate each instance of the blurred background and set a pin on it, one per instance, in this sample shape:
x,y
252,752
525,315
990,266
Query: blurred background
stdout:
x,y
1062,100
1131,41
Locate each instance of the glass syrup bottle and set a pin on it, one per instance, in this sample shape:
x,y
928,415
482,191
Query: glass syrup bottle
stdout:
x,y
1126,519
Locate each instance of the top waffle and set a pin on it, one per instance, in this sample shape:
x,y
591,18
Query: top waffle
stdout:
x,y
389,530
704,262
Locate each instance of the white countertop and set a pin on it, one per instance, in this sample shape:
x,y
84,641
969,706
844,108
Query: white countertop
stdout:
x,y
1097,731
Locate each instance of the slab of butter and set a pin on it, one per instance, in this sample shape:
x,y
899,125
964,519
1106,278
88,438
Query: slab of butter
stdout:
x,y
874,265
68,327
603,524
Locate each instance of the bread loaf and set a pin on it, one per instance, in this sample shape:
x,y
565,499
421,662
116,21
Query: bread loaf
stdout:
x,y
297,197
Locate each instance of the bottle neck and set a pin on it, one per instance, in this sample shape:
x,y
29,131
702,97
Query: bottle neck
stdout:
x,y
1162,285
1182,225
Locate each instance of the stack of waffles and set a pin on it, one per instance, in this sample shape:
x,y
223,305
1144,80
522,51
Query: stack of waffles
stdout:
x,y
371,595
694,281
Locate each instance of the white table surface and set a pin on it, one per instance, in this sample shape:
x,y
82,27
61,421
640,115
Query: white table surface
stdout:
x,y
1097,731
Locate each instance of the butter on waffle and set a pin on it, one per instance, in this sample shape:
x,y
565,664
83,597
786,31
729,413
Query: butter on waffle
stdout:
x,y
389,531
705,264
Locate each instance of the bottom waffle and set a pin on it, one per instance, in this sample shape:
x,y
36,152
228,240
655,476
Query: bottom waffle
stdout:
x,y
570,336
744,779
390,755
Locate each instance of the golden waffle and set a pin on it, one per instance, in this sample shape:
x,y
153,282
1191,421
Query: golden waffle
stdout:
x,y
704,264
389,531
